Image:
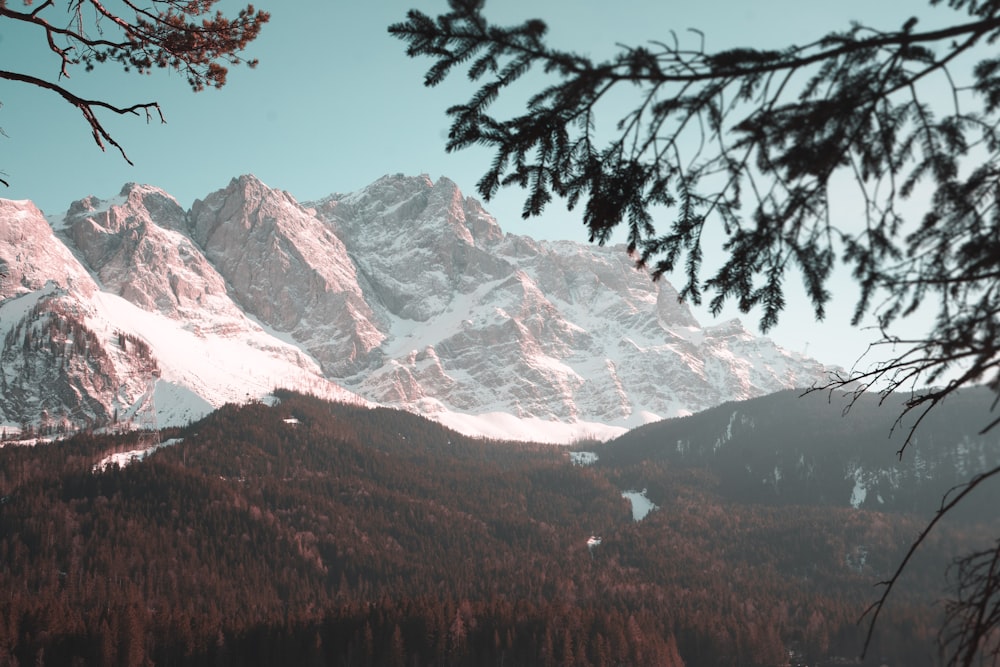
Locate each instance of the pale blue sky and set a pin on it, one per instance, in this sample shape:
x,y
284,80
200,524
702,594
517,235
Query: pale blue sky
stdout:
x,y
335,104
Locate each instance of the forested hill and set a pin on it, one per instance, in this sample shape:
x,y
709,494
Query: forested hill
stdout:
x,y
311,533
789,448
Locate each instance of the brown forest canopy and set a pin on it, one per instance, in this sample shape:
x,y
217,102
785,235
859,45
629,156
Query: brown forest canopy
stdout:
x,y
377,537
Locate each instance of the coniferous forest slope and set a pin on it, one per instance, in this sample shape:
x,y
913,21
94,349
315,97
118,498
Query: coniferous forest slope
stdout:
x,y
822,449
311,533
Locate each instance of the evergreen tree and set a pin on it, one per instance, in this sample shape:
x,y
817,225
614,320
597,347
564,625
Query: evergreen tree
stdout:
x,y
747,145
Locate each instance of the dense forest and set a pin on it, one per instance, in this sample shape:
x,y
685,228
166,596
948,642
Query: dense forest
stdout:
x,y
311,533
788,448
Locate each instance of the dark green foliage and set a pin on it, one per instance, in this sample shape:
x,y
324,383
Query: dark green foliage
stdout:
x,y
747,147
311,533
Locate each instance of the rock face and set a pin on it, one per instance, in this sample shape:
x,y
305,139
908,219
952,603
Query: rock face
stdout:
x,y
136,247
480,321
47,367
288,269
406,293
31,256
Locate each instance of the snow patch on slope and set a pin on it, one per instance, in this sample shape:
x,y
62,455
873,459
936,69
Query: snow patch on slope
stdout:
x,y
200,372
641,505
122,459
505,426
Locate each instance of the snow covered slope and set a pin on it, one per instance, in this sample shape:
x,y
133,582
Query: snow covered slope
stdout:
x,y
154,340
405,293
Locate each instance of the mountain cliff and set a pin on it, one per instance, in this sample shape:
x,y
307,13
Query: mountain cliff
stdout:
x,y
405,294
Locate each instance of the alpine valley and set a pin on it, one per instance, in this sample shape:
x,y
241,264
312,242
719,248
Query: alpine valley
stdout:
x,y
134,311
243,482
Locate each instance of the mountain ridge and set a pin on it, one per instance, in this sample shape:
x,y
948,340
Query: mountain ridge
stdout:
x,y
825,449
405,293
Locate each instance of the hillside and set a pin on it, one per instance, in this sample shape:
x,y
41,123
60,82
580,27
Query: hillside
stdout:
x,y
821,449
318,533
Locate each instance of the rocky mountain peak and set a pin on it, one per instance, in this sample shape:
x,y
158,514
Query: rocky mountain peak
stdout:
x,y
482,225
423,207
287,268
672,312
445,201
135,244
246,204
406,291
134,206
31,256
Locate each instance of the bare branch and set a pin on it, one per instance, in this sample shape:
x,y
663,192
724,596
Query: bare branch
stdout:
x,y
87,107
162,34
948,503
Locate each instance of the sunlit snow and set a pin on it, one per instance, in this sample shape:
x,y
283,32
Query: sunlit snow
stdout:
x,y
859,492
641,505
122,459
201,372
583,458
505,426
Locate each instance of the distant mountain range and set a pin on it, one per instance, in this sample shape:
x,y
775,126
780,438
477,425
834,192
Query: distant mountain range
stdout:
x,y
133,310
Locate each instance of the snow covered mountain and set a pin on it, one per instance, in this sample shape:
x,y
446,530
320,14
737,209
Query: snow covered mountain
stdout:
x,y
405,293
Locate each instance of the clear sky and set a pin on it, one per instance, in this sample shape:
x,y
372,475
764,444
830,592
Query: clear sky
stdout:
x,y
335,104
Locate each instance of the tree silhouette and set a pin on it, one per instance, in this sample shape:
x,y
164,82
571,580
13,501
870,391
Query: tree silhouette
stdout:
x,y
751,146
746,144
161,34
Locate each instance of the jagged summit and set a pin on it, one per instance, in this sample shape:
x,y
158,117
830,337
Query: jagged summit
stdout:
x,y
406,293
411,201
287,268
31,256
135,246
